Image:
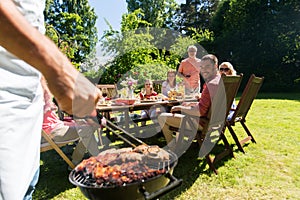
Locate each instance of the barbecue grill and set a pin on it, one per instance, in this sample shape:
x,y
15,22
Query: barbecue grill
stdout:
x,y
144,188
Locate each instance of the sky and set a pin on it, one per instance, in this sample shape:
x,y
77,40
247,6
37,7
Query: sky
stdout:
x,y
112,11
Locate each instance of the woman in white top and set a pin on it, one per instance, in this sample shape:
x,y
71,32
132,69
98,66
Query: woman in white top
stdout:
x,y
170,83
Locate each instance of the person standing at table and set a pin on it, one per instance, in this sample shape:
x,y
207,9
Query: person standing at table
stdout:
x,y
25,54
170,83
189,70
209,70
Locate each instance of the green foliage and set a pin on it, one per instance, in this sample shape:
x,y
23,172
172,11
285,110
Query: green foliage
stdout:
x,y
128,40
260,37
158,13
142,66
133,21
153,71
181,45
179,48
257,36
135,47
196,14
71,25
92,68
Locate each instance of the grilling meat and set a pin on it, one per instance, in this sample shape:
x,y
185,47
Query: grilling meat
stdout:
x,y
116,167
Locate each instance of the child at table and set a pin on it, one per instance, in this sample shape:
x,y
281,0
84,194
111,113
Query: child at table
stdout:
x,y
148,93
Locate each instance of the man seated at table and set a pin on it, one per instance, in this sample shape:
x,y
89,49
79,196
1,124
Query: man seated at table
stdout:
x,y
209,71
62,131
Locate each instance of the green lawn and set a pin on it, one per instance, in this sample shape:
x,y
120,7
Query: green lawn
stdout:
x,y
268,170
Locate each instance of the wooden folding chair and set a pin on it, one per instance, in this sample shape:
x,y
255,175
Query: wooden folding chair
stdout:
x,y
242,109
157,85
51,144
109,89
217,121
214,124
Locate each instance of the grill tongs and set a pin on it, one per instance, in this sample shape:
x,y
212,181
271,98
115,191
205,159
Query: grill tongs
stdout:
x,y
116,130
113,127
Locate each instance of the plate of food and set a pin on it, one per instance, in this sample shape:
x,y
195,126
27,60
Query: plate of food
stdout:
x,y
125,101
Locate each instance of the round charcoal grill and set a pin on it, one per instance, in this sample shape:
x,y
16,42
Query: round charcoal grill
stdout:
x,y
150,188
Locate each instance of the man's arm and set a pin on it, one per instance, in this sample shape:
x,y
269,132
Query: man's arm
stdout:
x,y
27,43
180,70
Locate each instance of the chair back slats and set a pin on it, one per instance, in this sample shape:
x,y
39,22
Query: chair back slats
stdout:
x,y
248,96
232,84
222,101
220,107
249,93
109,89
157,85
228,88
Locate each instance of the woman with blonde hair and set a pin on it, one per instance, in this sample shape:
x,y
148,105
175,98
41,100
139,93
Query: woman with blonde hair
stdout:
x,y
227,69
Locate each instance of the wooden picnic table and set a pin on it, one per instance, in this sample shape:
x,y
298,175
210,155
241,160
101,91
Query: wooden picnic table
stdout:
x,y
107,109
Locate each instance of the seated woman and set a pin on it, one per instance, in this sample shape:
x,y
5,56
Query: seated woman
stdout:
x,y
62,131
227,69
170,83
148,93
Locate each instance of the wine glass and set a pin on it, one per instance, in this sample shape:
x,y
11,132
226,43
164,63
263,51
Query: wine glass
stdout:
x,y
143,92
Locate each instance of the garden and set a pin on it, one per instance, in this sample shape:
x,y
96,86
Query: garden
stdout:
x,y
268,170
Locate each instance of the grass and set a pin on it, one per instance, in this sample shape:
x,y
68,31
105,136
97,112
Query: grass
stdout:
x,y
268,170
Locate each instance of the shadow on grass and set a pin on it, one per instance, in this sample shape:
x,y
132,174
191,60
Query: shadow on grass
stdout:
x,y
53,176
54,171
190,167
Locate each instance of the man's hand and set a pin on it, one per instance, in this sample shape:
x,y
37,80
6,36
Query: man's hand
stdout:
x,y
75,96
176,109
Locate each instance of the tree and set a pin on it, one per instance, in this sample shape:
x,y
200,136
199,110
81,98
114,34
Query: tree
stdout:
x,y
261,37
196,14
136,48
71,24
91,67
129,47
159,13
